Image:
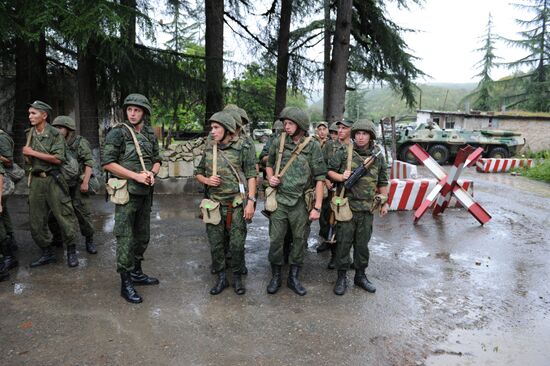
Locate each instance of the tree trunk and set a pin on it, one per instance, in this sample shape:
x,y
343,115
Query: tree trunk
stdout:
x,y
128,32
282,56
30,84
87,94
339,64
326,63
214,56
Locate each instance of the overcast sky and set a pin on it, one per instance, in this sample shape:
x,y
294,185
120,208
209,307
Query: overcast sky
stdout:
x,y
450,31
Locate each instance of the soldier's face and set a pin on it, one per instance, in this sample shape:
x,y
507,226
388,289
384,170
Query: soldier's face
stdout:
x,y
333,135
290,127
217,131
322,132
135,114
63,131
343,132
362,138
37,116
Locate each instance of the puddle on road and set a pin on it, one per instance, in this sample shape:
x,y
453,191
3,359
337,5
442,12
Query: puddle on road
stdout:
x,y
18,288
524,344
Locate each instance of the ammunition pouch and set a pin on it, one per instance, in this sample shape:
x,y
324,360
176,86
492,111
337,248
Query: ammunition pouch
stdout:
x,y
210,211
9,187
270,199
341,209
118,191
309,197
378,201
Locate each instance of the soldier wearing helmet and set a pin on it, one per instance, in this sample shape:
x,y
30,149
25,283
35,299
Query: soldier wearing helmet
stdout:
x,y
7,239
305,173
48,191
79,148
132,220
372,186
233,187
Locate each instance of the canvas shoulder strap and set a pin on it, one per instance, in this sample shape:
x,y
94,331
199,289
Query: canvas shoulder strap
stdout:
x,y
348,164
138,148
280,153
295,154
235,173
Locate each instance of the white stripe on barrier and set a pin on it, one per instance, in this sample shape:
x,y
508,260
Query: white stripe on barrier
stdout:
x,y
407,195
502,165
402,170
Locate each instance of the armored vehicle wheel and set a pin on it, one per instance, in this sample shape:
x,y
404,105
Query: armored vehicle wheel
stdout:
x,y
407,156
440,153
499,153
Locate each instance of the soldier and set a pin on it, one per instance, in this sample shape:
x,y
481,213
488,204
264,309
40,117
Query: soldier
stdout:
x,y
226,187
7,243
80,149
361,197
120,157
322,133
333,132
8,261
48,190
306,170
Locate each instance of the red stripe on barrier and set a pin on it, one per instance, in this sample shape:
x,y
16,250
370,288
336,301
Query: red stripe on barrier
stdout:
x,y
497,164
406,194
421,194
514,163
419,152
487,165
404,171
504,165
479,213
393,187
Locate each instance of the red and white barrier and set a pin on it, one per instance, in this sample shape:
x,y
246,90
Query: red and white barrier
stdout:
x,y
408,194
402,170
502,165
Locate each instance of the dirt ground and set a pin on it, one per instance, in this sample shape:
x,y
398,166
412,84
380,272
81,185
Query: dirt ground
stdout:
x,y
449,292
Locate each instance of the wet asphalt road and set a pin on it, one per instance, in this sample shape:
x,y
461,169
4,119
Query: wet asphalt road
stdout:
x,y
450,292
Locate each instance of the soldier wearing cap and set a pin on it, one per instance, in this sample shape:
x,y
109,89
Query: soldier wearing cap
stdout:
x,y
48,190
8,260
322,133
7,239
132,220
236,167
333,132
79,148
357,232
306,171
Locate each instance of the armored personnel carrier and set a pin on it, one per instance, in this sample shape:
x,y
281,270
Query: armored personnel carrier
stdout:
x,y
444,144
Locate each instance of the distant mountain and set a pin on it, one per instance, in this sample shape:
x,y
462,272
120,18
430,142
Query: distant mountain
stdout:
x,y
382,102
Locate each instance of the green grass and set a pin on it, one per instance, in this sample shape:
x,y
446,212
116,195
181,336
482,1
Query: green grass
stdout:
x,y
541,171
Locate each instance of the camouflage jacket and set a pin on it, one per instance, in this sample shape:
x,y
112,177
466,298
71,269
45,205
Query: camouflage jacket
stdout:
x,y
330,149
362,193
51,142
119,148
6,145
308,167
81,150
242,157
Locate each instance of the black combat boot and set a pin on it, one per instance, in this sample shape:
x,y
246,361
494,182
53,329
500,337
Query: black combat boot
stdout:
x,y
341,283
276,280
90,246
46,258
220,285
72,259
140,278
332,263
244,272
127,290
12,244
238,283
323,247
292,281
9,259
362,281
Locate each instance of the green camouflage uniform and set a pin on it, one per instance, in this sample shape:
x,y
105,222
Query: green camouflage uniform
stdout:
x,y
80,149
46,193
3,226
291,211
357,232
242,157
6,150
132,220
329,148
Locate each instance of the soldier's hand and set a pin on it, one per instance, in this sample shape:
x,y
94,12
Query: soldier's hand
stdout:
x,y
346,174
84,186
143,178
384,209
249,210
214,181
328,184
314,215
151,178
274,181
27,150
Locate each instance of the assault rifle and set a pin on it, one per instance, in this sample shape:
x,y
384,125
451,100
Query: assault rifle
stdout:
x,y
361,170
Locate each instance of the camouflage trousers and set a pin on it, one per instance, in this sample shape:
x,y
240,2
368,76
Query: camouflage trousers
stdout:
x,y
220,237
132,230
284,218
3,229
45,196
5,216
355,233
324,218
81,208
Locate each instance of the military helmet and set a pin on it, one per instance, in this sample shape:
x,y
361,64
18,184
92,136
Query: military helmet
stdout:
x,y
278,125
236,116
244,116
64,121
333,128
345,122
139,100
364,125
38,104
242,113
322,123
297,116
225,119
